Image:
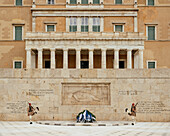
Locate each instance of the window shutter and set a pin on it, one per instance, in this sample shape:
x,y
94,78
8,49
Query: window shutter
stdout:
x,y
50,28
96,1
151,64
151,2
84,1
86,29
73,1
17,64
18,2
151,32
118,2
74,28
18,33
96,28
118,28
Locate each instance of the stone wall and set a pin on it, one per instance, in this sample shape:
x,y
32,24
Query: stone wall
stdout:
x,y
62,94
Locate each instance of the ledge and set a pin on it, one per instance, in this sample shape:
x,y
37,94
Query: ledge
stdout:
x,y
85,36
85,9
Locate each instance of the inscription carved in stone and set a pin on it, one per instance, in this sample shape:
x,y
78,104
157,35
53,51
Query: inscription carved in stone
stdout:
x,y
17,107
40,92
156,107
86,94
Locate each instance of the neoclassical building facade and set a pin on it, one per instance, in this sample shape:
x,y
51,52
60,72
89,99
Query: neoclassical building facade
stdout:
x,y
84,34
65,56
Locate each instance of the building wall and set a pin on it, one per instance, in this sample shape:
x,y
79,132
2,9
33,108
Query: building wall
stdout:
x,y
10,51
106,93
109,26
159,52
11,16
158,15
60,26
12,2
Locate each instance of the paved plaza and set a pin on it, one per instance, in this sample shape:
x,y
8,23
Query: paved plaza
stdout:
x,y
140,129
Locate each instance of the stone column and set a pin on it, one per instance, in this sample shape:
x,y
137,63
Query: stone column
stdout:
x,y
33,24
103,58
129,58
78,24
90,24
90,58
116,58
101,24
78,58
65,60
28,58
53,58
135,24
67,24
141,58
40,58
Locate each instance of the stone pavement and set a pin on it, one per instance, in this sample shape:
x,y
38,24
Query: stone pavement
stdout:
x,y
140,129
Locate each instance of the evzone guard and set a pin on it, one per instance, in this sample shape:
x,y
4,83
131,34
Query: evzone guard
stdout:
x,y
32,111
132,112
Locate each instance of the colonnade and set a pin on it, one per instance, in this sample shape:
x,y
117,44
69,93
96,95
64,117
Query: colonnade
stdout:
x,y
78,58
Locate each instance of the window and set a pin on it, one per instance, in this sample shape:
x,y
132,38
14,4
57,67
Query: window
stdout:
x,y
121,64
47,64
73,24
50,28
84,64
119,28
118,1
151,32
73,1
84,1
18,33
96,1
50,1
18,2
150,2
96,24
84,24
17,64
151,64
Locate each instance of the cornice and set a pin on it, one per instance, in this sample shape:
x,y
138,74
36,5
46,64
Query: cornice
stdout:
x,y
84,9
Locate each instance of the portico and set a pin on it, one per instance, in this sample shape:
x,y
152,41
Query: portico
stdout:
x,y
75,51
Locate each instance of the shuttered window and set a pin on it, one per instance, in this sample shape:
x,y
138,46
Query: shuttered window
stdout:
x,y
96,24
50,28
151,32
84,24
17,64
18,2
118,28
151,2
151,65
96,1
18,33
73,24
50,1
84,1
118,2
73,1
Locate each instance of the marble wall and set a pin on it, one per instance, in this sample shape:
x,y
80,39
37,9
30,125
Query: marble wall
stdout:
x,y
62,94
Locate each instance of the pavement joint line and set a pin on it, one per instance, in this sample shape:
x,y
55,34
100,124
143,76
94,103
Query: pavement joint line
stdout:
x,y
66,123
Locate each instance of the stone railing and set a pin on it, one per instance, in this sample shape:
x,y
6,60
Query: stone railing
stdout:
x,y
85,35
